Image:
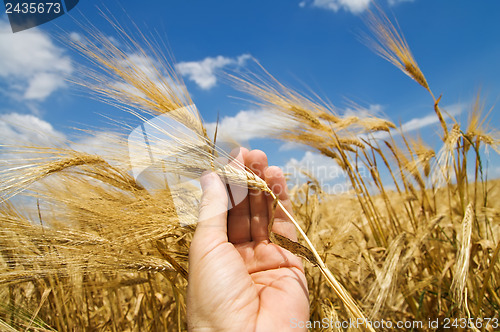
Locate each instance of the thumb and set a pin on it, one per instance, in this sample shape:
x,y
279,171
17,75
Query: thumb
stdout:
x,y
212,218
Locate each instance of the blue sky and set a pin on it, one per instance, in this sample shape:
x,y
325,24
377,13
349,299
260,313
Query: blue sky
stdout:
x,y
308,45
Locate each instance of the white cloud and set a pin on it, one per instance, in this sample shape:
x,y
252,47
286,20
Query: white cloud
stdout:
x,y
142,64
290,146
76,37
372,110
428,120
319,166
204,72
100,143
354,6
143,67
245,125
395,2
251,124
31,65
42,85
418,123
19,129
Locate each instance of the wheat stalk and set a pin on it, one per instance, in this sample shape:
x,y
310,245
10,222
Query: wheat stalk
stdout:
x,y
337,287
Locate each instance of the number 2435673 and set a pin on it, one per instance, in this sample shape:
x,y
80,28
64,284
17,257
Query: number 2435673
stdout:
x,y
33,8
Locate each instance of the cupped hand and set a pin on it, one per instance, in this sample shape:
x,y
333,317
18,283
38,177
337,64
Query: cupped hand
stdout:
x,y
238,280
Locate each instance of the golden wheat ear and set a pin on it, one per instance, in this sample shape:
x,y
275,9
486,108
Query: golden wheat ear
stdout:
x,y
390,44
135,76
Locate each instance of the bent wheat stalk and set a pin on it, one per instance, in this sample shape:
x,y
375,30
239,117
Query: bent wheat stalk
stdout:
x,y
243,173
315,259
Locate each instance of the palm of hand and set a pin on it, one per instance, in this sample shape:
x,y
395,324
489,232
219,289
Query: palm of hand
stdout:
x,y
238,280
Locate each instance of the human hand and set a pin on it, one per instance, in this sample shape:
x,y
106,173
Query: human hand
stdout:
x,y
238,280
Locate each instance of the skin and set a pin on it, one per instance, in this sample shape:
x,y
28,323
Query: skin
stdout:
x,y
238,280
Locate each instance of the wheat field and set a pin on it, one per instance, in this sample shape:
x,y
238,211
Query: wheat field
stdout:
x,y
85,246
